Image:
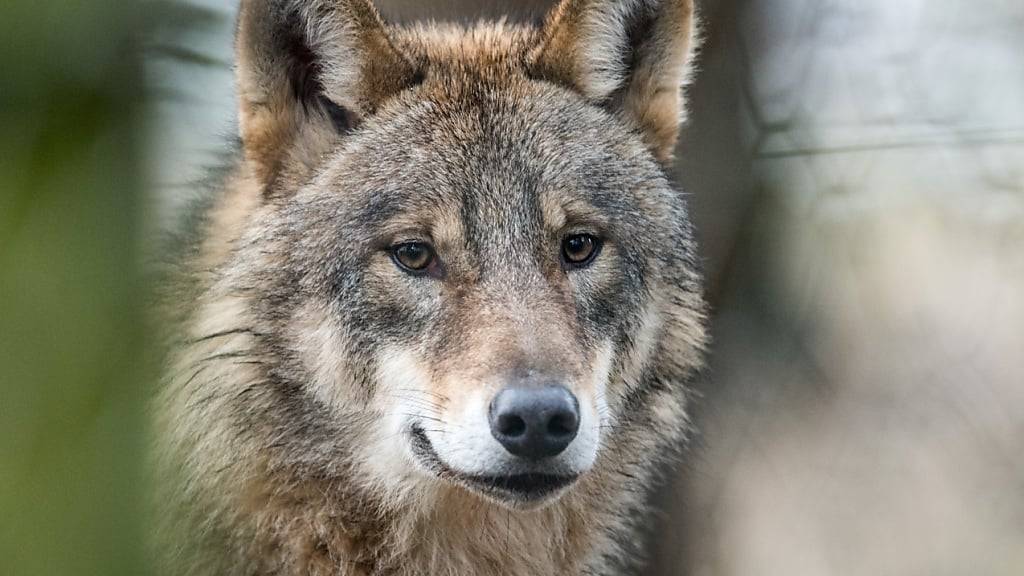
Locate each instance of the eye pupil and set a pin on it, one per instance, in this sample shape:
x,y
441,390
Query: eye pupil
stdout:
x,y
413,256
579,249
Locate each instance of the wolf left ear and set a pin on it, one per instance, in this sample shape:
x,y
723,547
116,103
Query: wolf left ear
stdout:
x,y
309,71
632,56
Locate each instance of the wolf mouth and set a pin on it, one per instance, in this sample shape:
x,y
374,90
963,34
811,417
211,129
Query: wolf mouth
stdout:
x,y
519,487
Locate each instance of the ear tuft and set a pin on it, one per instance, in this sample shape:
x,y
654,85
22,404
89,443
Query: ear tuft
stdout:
x,y
631,56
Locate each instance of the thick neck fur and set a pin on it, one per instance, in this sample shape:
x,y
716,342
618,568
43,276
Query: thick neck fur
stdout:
x,y
314,530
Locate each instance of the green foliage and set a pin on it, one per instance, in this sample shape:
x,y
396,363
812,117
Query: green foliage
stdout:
x,y
74,374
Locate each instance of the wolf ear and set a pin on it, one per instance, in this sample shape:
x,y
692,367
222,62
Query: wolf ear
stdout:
x,y
632,56
309,71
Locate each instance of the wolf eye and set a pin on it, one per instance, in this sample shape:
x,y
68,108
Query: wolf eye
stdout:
x,y
580,249
414,257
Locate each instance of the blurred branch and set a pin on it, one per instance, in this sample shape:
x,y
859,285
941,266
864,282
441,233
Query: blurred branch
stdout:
x,y
186,55
956,138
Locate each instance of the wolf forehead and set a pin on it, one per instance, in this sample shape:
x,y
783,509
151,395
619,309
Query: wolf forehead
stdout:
x,y
492,161
476,107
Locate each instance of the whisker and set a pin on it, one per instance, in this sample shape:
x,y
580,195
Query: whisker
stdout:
x,y
437,395
233,354
454,425
221,356
420,403
231,332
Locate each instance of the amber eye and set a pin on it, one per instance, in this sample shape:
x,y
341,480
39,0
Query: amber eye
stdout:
x,y
414,257
580,249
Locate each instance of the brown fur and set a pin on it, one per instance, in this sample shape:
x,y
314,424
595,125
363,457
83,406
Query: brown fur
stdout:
x,y
259,477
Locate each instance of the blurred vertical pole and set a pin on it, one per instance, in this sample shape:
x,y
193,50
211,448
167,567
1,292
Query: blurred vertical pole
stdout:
x,y
73,380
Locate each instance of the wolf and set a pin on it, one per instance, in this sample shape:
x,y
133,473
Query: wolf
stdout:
x,y
441,316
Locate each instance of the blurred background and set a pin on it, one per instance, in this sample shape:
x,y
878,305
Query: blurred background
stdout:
x,y
856,174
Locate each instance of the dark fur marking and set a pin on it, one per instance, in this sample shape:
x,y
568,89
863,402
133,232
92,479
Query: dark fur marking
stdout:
x,y
303,66
304,69
343,119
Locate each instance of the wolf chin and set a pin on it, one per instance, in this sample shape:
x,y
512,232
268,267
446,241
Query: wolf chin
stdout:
x,y
440,317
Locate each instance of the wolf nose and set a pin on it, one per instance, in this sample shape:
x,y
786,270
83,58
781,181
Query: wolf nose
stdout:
x,y
535,423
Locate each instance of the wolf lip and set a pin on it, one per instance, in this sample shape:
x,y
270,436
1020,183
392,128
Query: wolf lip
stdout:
x,y
527,486
521,487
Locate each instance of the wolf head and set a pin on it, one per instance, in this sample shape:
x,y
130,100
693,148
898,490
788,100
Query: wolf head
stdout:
x,y
464,264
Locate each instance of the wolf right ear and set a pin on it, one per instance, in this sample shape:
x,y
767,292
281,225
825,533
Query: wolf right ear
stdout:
x,y
308,71
630,56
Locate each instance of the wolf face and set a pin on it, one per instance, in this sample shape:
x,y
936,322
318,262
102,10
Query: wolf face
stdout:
x,y
450,259
479,255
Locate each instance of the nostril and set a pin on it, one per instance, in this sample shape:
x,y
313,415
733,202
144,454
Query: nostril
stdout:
x,y
511,425
563,424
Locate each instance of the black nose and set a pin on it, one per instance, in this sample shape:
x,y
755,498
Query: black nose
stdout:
x,y
535,422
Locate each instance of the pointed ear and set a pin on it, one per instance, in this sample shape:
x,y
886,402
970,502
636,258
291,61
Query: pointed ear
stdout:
x,y
632,56
307,72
